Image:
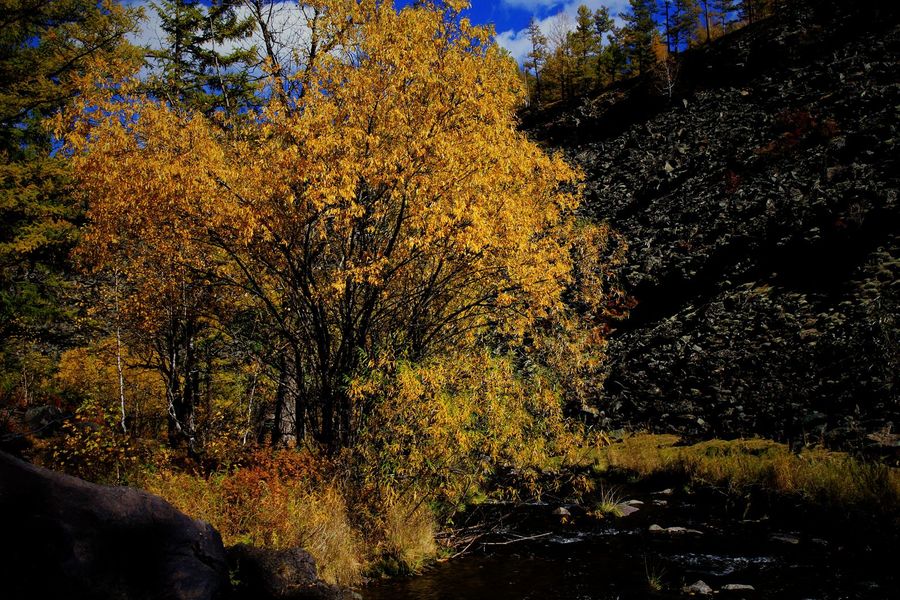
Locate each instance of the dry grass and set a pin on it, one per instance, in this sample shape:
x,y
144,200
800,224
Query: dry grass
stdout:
x,y
409,534
280,502
283,500
824,477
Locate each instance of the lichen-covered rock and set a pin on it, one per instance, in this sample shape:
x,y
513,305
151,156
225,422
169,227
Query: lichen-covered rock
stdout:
x,y
67,538
762,217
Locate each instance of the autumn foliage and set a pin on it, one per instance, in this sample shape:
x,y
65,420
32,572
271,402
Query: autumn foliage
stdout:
x,y
388,211
328,310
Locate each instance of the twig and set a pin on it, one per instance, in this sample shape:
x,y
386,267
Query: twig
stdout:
x,y
518,539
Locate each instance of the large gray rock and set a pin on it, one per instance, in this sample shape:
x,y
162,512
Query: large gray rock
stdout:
x,y
66,538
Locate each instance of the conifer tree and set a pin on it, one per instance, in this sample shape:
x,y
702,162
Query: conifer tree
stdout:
x,y
585,45
685,21
640,29
194,67
614,58
754,10
537,57
201,68
721,13
45,48
603,24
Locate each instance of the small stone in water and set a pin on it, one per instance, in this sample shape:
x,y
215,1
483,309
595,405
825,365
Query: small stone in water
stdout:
x,y
665,492
698,587
737,587
682,530
655,527
562,511
634,502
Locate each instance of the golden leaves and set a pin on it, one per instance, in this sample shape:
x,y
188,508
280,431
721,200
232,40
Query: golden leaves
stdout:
x,y
391,208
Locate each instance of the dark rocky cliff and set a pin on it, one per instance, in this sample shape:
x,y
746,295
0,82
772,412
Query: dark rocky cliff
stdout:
x,y
760,206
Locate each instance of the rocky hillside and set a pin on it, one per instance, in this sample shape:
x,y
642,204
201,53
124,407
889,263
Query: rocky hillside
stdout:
x,y
760,207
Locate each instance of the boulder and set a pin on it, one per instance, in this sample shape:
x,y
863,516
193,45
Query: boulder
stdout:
x,y
698,587
67,538
287,574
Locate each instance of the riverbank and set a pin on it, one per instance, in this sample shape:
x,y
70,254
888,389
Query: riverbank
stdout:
x,y
744,518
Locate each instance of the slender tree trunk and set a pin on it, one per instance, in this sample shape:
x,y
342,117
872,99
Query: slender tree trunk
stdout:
x,y
280,398
706,19
119,357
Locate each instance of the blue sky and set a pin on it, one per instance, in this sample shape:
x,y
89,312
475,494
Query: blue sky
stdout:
x,y
511,17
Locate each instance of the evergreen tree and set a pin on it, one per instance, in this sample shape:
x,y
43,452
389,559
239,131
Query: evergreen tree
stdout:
x,y
721,14
585,45
639,32
192,70
686,18
679,21
195,72
537,57
614,58
45,47
754,10
603,24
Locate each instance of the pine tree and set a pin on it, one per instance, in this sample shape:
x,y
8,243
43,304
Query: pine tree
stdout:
x,y
537,57
585,45
639,32
191,69
603,24
679,20
754,10
685,20
45,49
722,12
614,57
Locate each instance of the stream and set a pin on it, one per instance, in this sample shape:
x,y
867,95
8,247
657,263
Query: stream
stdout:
x,y
541,555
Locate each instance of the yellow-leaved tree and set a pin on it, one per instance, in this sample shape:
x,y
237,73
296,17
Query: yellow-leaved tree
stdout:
x,y
380,208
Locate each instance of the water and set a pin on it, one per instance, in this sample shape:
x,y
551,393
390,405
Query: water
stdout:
x,y
581,559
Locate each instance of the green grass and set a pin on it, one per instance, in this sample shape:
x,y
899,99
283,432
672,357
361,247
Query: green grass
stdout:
x,y
827,478
609,504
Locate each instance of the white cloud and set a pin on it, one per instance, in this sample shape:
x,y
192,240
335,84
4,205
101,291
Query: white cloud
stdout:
x,y
517,43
